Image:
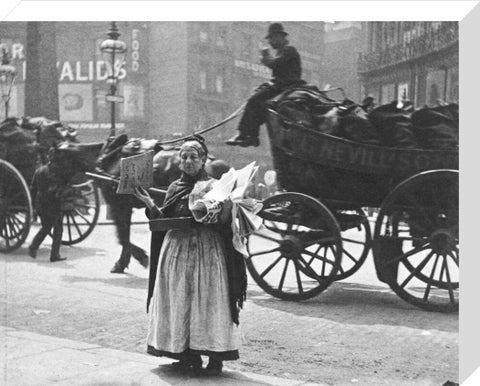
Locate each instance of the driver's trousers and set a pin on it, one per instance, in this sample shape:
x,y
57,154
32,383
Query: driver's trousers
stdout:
x,y
255,113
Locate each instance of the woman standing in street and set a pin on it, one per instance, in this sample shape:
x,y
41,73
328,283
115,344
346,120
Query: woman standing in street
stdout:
x,y
197,279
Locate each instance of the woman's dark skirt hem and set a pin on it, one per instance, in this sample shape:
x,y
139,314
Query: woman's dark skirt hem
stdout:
x,y
217,355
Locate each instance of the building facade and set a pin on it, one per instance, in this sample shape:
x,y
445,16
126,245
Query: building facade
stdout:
x,y
201,72
410,60
177,76
344,41
82,76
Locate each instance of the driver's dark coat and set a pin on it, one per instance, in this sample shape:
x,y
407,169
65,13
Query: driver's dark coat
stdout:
x,y
286,66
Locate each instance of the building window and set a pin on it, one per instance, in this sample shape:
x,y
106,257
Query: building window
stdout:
x,y
202,118
217,117
435,86
220,41
402,92
245,45
388,93
219,84
452,86
203,80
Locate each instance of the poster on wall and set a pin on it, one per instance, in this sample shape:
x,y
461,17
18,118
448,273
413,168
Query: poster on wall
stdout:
x,y
75,102
15,103
133,105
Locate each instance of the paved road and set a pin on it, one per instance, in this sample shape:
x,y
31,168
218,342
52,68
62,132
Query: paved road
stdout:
x,y
354,331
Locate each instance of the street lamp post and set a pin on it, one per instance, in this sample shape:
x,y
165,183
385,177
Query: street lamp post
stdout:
x,y
113,51
7,77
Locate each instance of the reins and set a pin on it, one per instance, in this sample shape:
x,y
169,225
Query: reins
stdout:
x,y
235,114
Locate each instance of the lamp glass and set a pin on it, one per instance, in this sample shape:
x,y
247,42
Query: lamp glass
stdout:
x,y
113,51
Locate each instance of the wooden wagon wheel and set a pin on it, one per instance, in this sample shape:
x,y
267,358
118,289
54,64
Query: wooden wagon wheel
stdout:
x,y
356,241
15,208
80,212
416,240
298,252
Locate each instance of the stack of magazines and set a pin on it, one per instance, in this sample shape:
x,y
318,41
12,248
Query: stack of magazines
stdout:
x,y
205,198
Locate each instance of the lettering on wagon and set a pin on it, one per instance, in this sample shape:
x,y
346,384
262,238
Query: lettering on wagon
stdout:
x,y
344,154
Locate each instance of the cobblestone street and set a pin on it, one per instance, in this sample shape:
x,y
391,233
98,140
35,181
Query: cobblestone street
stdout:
x,y
357,331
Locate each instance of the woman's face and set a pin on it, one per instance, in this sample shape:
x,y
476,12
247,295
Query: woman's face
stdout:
x,y
191,162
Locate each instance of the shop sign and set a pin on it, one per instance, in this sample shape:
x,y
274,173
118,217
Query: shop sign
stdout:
x,y
95,125
135,56
257,69
114,98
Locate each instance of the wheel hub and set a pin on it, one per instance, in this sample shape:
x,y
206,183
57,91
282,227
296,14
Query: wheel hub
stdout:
x,y
291,247
442,241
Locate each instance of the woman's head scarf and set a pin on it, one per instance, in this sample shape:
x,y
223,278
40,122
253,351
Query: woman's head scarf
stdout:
x,y
197,145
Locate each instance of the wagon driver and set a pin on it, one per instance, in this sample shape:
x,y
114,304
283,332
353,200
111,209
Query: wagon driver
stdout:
x,y
286,71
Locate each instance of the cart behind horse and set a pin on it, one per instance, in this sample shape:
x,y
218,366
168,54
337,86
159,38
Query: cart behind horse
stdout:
x,y
317,232
19,157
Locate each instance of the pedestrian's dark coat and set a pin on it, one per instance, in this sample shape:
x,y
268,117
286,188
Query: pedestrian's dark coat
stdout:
x,y
47,190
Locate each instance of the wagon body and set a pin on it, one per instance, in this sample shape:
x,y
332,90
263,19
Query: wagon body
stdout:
x,y
19,148
343,172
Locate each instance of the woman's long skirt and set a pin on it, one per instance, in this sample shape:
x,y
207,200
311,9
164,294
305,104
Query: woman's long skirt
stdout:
x,y
189,310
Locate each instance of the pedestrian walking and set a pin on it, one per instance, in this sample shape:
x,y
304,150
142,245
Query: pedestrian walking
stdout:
x,y
286,72
49,187
197,279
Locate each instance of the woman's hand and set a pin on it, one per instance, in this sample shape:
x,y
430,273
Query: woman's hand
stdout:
x,y
226,212
144,196
227,205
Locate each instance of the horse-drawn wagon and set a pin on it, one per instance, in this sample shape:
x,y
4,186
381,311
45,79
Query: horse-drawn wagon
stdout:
x,y
317,232
20,150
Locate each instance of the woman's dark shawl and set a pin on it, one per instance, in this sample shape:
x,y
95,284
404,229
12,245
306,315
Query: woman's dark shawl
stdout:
x,y
235,262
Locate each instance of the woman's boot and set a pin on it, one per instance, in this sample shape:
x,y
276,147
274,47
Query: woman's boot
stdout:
x,y
214,367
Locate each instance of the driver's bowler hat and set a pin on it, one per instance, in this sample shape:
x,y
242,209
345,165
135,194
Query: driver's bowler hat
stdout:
x,y
275,28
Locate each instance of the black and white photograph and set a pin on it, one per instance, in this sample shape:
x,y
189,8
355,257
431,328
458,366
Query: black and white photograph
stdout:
x,y
292,212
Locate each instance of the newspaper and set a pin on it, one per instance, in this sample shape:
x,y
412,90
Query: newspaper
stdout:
x,y
232,186
136,171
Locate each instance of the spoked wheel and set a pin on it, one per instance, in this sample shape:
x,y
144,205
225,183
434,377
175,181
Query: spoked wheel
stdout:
x,y
15,208
297,254
416,241
80,213
356,241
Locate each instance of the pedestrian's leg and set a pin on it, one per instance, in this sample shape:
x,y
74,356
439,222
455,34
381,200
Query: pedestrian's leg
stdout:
x,y
57,239
122,216
255,114
47,224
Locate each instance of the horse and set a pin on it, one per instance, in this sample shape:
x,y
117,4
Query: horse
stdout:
x,y
104,159
49,133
